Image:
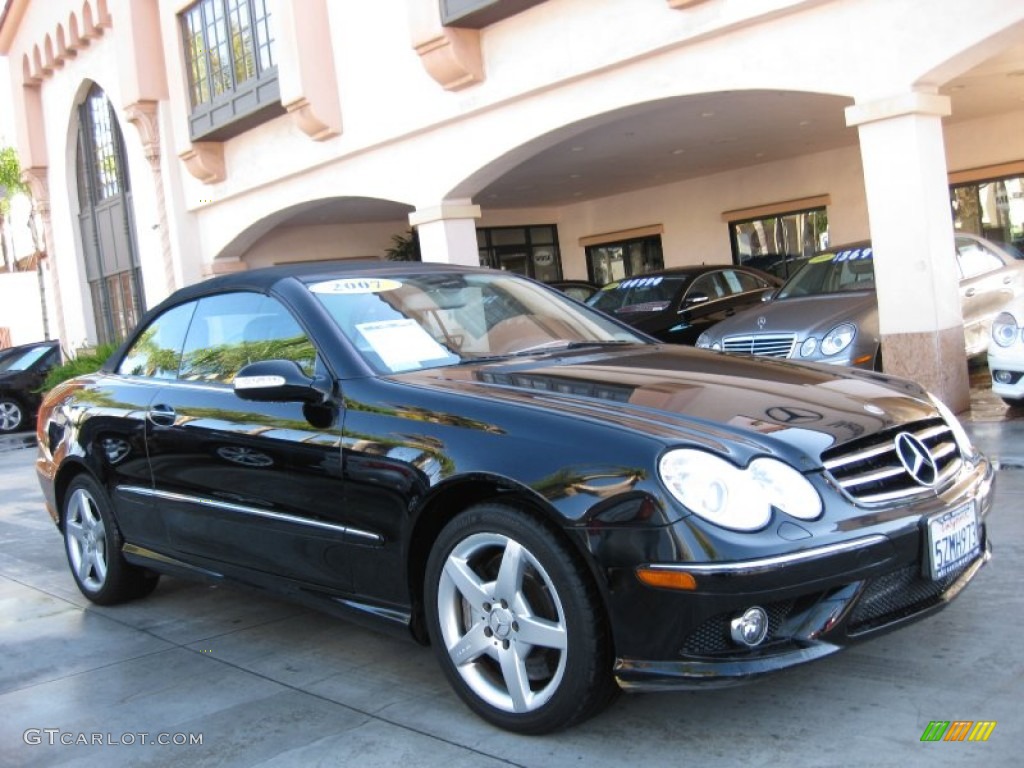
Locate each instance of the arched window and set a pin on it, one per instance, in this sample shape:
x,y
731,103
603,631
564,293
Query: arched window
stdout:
x,y
106,219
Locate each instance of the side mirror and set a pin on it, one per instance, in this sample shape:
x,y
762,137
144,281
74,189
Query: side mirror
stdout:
x,y
280,381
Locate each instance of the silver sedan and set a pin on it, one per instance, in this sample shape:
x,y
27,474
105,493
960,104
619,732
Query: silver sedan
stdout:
x,y
828,311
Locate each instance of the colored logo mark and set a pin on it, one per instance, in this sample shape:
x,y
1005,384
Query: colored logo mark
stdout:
x,y
958,730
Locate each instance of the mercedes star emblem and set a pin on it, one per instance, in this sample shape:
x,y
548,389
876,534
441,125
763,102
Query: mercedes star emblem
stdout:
x,y
789,414
917,459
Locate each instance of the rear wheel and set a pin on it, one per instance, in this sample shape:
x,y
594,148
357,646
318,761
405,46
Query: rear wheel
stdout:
x,y
12,415
93,544
516,626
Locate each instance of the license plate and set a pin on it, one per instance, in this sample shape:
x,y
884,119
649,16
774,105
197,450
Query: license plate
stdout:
x,y
952,540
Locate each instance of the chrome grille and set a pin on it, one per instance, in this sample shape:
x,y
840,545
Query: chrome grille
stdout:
x,y
869,470
765,344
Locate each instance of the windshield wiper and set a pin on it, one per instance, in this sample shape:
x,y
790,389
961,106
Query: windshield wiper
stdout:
x,y
548,346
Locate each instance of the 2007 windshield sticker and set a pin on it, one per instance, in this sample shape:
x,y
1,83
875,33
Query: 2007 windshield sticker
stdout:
x,y
353,285
851,254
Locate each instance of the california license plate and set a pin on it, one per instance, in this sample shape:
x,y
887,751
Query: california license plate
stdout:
x,y
952,540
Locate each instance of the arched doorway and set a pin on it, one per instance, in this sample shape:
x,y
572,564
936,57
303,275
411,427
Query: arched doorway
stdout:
x,y
106,220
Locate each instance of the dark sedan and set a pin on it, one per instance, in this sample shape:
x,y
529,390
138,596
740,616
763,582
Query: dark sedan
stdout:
x,y
580,290
22,372
677,305
560,506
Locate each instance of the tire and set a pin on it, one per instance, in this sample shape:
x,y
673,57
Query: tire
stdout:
x,y
1013,402
93,545
517,627
12,415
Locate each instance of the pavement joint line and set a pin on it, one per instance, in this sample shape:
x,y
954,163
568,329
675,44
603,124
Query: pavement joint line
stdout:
x,y
289,686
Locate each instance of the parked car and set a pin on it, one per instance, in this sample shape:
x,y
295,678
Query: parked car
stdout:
x,y
677,305
580,290
559,505
1006,353
22,371
828,311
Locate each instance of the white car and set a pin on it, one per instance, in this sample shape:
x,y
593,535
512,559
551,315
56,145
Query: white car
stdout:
x,y
1006,353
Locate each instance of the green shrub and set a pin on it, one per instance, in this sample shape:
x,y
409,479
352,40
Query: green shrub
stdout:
x,y
86,362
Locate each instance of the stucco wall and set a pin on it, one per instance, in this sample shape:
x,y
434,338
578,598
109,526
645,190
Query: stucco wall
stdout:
x,y
324,242
21,309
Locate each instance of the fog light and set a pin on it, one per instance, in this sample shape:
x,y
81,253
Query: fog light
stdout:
x,y
1003,377
751,628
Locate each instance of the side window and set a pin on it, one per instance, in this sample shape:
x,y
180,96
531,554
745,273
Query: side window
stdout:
x,y
157,350
741,282
707,284
234,329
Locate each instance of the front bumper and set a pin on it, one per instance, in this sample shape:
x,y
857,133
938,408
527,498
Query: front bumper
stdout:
x,y
866,608
818,600
1011,366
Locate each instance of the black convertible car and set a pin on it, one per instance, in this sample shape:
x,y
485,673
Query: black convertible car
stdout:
x,y
560,507
23,370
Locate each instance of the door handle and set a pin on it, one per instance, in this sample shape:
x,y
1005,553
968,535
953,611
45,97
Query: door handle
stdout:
x,y
1007,280
162,415
970,292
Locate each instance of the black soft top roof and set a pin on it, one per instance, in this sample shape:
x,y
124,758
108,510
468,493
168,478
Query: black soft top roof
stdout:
x,y
263,279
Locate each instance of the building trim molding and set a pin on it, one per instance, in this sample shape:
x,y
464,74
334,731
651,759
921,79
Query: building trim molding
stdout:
x,y
987,172
774,209
205,161
622,234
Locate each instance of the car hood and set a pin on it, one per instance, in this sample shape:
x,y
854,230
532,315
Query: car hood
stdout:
x,y
803,315
735,405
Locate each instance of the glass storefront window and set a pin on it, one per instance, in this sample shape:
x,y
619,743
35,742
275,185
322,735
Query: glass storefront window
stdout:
x,y
778,244
608,262
531,251
992,209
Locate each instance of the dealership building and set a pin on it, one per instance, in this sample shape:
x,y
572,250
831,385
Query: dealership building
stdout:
x,y
166,141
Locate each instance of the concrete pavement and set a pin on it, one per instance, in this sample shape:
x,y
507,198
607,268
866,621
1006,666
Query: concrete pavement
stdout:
x,y
261,682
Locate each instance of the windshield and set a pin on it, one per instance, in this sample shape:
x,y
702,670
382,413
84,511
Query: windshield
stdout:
x,y
639,294
846,269
432,320
22,361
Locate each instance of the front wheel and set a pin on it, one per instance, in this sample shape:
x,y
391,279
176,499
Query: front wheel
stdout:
x,y
93,544
517,627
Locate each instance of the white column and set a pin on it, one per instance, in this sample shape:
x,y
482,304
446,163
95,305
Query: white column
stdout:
x,y
447,232
907,187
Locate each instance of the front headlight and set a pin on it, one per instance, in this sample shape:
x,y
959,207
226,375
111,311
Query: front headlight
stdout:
x,y
1004,329
704,341
734,498
809,347
838,339
963,440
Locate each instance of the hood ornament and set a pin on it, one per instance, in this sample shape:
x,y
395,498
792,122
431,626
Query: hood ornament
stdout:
x,y
761,321
917,459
